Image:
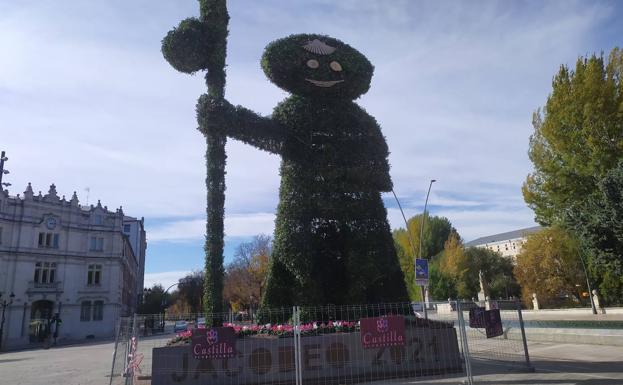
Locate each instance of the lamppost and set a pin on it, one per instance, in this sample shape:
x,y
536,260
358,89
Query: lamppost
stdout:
x,y
588,284
2,170
4,305
164,296
424,290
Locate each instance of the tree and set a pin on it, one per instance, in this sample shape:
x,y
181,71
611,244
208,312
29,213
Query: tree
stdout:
x,y
549,265
153,300
577,137
600,228
245,276
436,232
460,268
442,285
577,142
190,290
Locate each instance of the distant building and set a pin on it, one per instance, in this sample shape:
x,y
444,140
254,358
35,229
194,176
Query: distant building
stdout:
x,y
134,229
508,244
61,258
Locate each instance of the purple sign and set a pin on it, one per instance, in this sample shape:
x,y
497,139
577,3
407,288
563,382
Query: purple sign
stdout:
x,y
493,323
383,331
214,343
477,317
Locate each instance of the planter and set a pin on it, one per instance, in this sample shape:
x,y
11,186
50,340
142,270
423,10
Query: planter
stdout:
x,y
330,358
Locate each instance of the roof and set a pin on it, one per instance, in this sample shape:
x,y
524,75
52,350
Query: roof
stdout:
x,y
521,233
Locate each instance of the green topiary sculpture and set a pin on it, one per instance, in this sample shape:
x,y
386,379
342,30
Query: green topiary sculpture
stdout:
x,y
332,241
200,44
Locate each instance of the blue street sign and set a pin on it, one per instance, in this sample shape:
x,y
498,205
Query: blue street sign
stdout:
x,y
421,272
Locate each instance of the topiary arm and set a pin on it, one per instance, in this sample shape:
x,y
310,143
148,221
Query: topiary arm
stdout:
x,y
240,123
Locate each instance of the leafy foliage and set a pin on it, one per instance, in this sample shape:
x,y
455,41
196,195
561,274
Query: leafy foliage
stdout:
x,y
201,45
600,227
550,266
332,240
577,143
456,272
190,290
577,138
245,276
153,300
436,232
285,64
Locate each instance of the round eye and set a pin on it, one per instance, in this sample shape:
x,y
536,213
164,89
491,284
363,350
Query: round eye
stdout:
x,y
311,63
335,66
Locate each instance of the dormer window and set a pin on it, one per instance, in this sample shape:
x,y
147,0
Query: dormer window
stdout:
x,y
98,220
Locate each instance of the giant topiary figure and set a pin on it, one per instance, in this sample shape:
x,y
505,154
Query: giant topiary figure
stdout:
x,y
332,240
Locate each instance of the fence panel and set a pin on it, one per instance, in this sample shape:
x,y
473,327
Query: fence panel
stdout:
x,y
381,342
264,352
496,338
325,345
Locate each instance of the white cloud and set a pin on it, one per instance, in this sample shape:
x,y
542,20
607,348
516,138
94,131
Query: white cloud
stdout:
x,y
165,279
86,99
236,225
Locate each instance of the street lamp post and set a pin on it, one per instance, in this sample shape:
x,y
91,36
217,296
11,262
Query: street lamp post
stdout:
x,y
588,285
164,296
5,303
3,159
424,291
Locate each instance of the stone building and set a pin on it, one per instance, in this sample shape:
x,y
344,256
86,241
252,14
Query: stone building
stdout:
x,y
83,264
508,244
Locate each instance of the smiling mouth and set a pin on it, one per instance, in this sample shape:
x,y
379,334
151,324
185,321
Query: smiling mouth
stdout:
x,y
324,83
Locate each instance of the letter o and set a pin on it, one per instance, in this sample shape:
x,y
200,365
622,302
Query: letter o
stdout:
x,y
261,361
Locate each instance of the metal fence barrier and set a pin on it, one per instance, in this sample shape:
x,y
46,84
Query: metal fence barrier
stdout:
x,y
327,345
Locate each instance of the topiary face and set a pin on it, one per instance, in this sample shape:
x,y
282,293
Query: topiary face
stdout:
x,y
317,66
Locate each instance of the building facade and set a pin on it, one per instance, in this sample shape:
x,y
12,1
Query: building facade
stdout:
x,y
508,244
66,261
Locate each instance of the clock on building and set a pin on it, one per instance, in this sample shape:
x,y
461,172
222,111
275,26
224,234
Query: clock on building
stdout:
x,y
51,223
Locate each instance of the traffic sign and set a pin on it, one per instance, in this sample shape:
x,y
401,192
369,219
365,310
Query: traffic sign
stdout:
x,y
421,272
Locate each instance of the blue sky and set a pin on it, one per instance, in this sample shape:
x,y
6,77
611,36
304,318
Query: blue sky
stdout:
x,y
86,100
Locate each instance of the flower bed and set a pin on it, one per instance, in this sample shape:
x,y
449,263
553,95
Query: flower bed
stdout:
x,y
307,329
278,331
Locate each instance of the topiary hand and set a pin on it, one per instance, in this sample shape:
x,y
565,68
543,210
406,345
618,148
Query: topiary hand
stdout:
x,y
214,114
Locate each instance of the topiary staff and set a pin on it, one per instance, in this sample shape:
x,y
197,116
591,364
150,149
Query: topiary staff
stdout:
x,y
201,44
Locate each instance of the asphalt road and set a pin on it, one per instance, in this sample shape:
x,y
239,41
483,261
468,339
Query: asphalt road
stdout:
x,y
89,364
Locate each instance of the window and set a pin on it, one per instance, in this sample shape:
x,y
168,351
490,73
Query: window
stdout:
x,y
45,272
96,244
126,228
98,310
94,275
98,220
85,311
0,235
49,240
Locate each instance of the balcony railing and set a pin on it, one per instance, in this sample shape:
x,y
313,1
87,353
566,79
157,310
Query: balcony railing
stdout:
x,y
50,287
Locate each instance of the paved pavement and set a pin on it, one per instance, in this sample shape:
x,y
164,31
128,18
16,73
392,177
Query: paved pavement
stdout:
x,y
556,364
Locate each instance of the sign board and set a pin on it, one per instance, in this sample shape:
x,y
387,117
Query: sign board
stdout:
x,y
383,331
477,317
421,272
214,343
493,323
324,359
